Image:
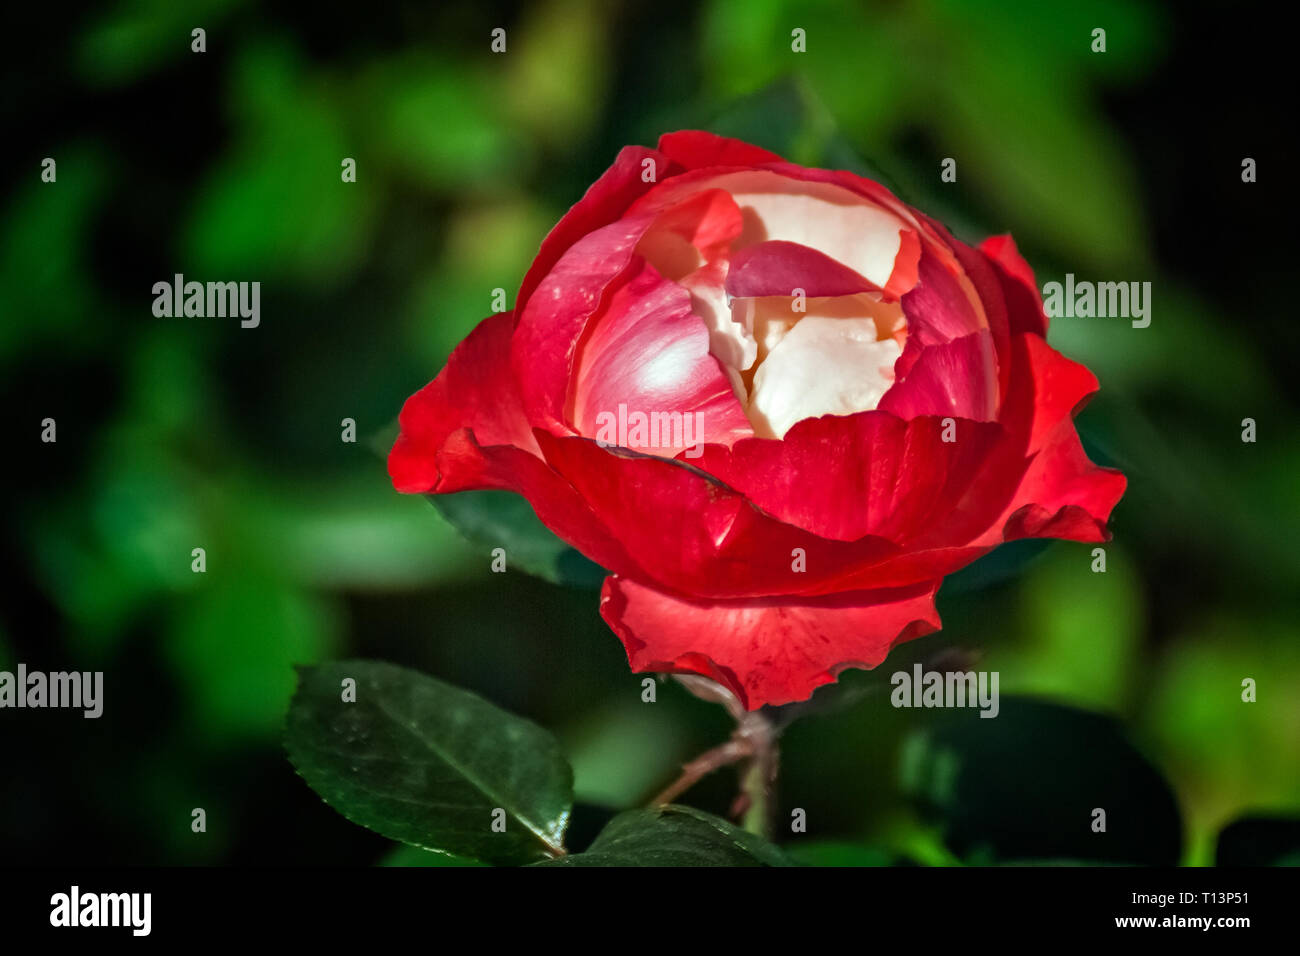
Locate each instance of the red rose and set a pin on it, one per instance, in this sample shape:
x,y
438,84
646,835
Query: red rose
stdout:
x,y
776,403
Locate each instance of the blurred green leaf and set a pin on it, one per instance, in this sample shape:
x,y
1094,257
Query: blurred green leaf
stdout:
x,y
44,253
1043,158
358,535
1025,784
557,105
1227,755
1081,630
137,36
675,836
832,853
438,121
780,117
624,749
276,203
234,644
429,764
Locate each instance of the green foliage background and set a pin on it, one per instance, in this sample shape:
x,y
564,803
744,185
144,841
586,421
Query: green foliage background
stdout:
x,y
175,434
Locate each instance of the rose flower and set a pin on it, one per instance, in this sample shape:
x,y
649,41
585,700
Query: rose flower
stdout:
x,y
776,403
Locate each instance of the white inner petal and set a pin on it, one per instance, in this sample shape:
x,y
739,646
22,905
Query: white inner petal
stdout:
x,y
836,357
822,366
730,342
830,219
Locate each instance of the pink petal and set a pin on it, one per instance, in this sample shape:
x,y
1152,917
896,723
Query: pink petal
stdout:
x,y
604,201
777,267
649,353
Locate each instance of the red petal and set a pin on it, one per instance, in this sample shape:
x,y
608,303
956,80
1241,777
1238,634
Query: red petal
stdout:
x,y
692,533
891,478
954,379
695,149
988,286
554,500
1060,493
466,431
1063,494
1046,389
708,220
938,308
767,650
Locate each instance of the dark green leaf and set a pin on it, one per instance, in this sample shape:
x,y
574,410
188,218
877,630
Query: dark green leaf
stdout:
x,y
1007,561
675,836
428,764
1259,841
1024,786
501,519
403,854
776,118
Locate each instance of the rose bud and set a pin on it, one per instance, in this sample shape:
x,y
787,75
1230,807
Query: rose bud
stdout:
x,y
776,403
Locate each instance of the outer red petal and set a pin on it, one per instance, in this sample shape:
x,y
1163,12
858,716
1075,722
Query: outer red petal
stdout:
x,y
892,478
604,201
554,500
1024,301
692,533
1046,390
466,431
769,650
1064,495
1061,387
1060,493
474,391
697,149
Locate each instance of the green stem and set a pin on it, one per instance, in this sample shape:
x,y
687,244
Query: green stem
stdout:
x,y
758,777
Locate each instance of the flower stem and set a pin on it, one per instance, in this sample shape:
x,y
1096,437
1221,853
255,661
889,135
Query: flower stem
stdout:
x,y
758,777
753,745
703,765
